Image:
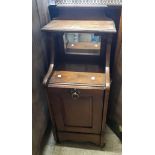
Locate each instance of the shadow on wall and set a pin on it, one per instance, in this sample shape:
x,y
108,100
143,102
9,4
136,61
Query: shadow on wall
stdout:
x,y
40,114
115,100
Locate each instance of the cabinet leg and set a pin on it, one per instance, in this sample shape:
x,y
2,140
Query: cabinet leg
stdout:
x,y
102,144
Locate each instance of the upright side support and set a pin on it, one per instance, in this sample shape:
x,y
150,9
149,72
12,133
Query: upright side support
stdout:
x,y
107,89
51,46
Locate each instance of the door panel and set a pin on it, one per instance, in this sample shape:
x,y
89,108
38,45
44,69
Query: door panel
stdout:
x,y
78,113
83,114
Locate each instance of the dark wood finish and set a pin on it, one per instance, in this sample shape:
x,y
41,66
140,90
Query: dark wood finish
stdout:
x,y
77,78
89,13
106,98
84,45
80,26
83,114
52,119
78,13
51,46
108,50
79,137
107,88
119,42
79,67
83,13
83,48
48,75
78,89
79,75
107,69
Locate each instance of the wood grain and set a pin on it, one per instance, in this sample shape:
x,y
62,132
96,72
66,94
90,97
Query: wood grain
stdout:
x,y
78,78
80,26
78,137
80,67
83,114
84,45
107,75
49,73
107,88
80,118
83,48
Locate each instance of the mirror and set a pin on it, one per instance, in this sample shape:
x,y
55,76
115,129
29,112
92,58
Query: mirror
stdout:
x,y
82,43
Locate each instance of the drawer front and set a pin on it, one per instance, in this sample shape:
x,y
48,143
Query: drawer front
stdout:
x,y
76,110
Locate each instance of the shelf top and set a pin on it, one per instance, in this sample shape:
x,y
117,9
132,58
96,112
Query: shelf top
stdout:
x,y
92,26
84,46
70,78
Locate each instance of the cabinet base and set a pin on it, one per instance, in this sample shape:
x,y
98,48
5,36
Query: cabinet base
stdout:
x,y
79,137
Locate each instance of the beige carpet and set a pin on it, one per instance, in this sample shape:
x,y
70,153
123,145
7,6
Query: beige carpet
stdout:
x,y
113,147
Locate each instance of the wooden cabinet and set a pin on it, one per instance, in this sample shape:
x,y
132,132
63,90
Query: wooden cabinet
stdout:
x,y
78,80
77,110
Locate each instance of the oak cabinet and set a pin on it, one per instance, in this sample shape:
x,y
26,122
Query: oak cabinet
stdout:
x,y
77,110
78,79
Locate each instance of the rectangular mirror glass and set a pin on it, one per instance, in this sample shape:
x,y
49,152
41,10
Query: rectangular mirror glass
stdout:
x,y
82,43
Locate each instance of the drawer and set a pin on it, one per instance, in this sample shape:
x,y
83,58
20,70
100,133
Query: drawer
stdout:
x,y
76,110
79,137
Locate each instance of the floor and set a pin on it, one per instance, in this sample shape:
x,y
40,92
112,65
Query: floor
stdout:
x,y
113,147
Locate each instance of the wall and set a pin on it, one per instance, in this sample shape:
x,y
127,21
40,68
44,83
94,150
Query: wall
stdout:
x,y
40,115
115,99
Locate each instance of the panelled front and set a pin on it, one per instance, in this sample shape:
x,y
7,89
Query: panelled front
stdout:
x,y
77,114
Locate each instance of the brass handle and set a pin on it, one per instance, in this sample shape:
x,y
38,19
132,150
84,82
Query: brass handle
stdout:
x,y
75,96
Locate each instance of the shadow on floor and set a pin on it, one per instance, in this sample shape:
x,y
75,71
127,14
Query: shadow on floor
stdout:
x,y
113,146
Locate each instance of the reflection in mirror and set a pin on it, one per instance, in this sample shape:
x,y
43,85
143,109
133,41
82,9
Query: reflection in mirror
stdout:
x,y
82,43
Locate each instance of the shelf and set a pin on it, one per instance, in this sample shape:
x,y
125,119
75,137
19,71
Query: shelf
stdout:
x,y
77,75
93,26
84,46
72,79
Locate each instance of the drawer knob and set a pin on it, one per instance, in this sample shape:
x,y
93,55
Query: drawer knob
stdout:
x,y
75,94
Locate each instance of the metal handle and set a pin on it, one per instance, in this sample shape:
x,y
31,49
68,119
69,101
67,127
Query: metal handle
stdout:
x,y
75,96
